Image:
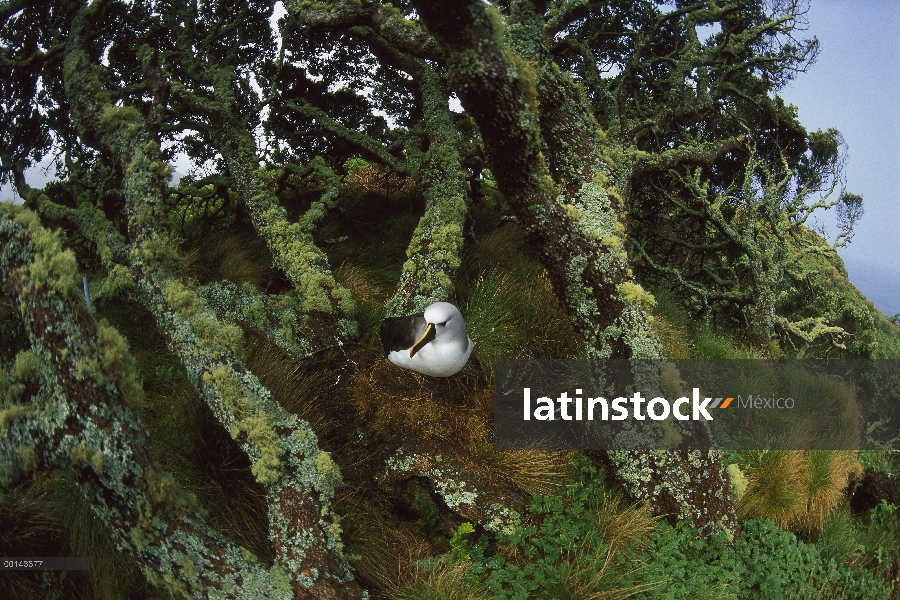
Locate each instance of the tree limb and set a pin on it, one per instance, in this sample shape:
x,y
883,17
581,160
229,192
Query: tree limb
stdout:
x,y
84,419
298,477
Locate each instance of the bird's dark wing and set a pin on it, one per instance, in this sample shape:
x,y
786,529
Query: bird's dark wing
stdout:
x,y
400,333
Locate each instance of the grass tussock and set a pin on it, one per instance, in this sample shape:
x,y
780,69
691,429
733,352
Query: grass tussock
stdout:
x,y
827,476
622,527
775,490
28,527
797,489
510,303
671,324
535,471
396,562
301,389
442,578
239,258
201,457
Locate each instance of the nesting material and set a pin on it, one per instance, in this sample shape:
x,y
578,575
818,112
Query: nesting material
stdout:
x,y
432,343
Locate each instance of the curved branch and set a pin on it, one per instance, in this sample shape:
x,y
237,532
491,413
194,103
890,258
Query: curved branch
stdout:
x,y
401,33
298,477
291,244
702,154
359,139
11,7
84,420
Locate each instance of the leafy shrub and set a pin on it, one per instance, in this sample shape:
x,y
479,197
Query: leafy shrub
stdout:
x,y
567,549
580,543
768,563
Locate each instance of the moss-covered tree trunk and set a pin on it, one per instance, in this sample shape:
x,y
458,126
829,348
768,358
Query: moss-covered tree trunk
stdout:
x,y
298,477
523,104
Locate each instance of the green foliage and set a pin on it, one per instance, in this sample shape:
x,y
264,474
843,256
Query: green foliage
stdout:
x,y
868,540
708,344
429,526
822,290
767,564
565,550
569,549
882,461
880,536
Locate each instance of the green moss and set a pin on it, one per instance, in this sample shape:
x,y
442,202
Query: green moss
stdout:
x,y
85,455
738,480
251,421
8,415
573,212
280,316
27,366
28,458
280,579
634,293
305,265
118,363
329,472
613,242
181,298
164,248
215,334
114,117
118,281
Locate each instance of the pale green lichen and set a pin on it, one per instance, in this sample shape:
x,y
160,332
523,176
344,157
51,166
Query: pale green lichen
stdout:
x,y
738,481
28,458
633,292
252,422
280,316
8,415
27,366
118,364
329,472
118,281
305,265
83,454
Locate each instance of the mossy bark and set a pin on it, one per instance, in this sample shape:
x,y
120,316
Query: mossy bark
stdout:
x,y
81,421
292,246
522,105
433,254
283,449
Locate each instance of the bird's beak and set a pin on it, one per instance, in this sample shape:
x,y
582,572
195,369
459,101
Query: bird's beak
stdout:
x,y
426,337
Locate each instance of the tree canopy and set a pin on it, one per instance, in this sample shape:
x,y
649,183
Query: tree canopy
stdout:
x,y
363,157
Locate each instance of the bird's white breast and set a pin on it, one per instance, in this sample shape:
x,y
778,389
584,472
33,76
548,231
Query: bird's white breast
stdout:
x,y
435,359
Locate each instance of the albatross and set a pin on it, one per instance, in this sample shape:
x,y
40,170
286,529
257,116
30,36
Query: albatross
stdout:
x,y
431,343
